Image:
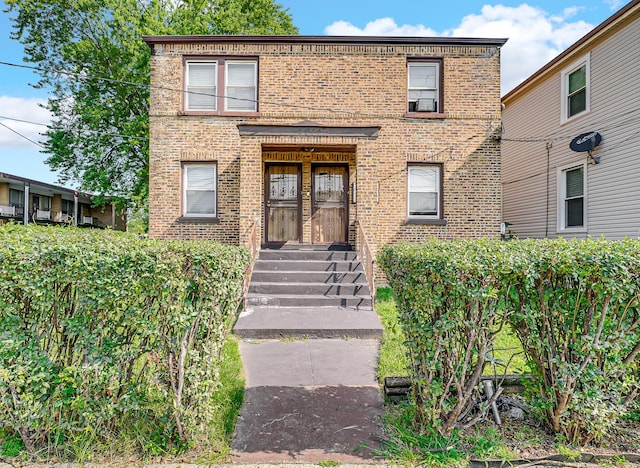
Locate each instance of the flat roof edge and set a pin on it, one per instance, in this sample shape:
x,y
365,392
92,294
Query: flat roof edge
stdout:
x,y
347,40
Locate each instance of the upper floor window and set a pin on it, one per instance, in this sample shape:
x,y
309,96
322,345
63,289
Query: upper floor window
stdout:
x,y
199,189
424,191
572,205
423,87
575,89
16,198
202,86
221,85
67,206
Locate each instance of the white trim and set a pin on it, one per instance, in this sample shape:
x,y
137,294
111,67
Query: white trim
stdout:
x,y
435,90
561,195
254,63
438,169
185,189
564,88
214,86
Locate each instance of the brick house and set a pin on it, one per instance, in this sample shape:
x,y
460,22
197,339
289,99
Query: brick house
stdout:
x,y
324,140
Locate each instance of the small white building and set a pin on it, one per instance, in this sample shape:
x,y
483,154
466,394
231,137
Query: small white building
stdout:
x,y
588,95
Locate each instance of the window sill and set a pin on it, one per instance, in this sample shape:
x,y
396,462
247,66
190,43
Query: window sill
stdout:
x,y
425,115
581,230
198,219
426,221
214,113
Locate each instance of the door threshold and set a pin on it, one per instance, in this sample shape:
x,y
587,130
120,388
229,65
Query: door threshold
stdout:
x,y
299,246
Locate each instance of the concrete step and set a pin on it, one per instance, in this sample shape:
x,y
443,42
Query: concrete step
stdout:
x,y
310,300
323,322
272,276
307,265
308,288
317,255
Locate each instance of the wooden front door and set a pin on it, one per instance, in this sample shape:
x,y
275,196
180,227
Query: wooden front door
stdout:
x,y
329,204
283,203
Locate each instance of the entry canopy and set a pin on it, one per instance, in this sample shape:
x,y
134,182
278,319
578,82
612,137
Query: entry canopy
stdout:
x,y
585,142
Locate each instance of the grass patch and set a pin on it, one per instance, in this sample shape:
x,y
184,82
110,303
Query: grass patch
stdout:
x,y
227,400
393,354
407,446
507,354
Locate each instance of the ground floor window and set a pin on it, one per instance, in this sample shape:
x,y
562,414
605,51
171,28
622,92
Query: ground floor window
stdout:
x,y
424,197
199,190
572,198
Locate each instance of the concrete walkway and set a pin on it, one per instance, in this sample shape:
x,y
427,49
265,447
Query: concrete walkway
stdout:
x,y
309,401
310,353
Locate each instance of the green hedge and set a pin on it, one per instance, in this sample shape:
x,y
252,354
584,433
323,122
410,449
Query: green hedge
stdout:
x,y
573,303
101,330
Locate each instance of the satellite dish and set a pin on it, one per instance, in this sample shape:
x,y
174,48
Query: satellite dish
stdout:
x,y
585,142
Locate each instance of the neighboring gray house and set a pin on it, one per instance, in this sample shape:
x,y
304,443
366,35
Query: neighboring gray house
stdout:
x,y
588,95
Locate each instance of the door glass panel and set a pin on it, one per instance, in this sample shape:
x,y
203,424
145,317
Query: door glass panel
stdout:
x,y
283,208
329,205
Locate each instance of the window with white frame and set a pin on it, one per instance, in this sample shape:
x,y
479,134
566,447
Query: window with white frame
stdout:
x,y
423,86
424,191
241,86
201,85
199,189
575,89
572,202
226,85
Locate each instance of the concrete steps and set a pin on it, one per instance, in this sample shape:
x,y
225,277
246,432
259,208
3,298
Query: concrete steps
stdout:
x,y
308,278
308,292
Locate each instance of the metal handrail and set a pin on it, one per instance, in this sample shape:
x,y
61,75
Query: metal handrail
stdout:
x,y
367,258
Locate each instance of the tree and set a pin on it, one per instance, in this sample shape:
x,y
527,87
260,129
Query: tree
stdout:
x,y
91,55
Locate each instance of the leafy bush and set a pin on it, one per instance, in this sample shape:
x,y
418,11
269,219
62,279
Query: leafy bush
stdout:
x,y
101,329
576,310
574,305
448,295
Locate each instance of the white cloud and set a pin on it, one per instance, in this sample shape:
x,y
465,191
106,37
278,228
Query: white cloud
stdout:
x,y
379,27
30,110
615,4
535,36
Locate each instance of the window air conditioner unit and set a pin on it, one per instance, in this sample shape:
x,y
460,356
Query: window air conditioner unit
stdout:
x,y
87,220
43,214
426,105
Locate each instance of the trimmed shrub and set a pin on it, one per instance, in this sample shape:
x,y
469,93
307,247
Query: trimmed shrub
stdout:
x,y
576,310
574,305
448,295
100,330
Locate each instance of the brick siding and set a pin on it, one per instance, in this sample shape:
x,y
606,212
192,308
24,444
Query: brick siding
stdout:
x,y
341,85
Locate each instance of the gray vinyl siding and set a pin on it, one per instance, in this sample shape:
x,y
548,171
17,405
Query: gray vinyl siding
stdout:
x,y
613,186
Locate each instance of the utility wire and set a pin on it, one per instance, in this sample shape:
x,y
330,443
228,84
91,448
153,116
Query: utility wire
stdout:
x,y
2,117
21,135
197,93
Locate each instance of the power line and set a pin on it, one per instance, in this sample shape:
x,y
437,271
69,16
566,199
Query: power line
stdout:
x,y
2,117
197,93
21,135
557,137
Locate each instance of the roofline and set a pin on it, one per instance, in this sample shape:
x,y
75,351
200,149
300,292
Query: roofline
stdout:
x,y
596,33
33,182
348,40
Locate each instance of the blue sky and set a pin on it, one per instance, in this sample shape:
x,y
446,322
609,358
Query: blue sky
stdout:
x,y
537,31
